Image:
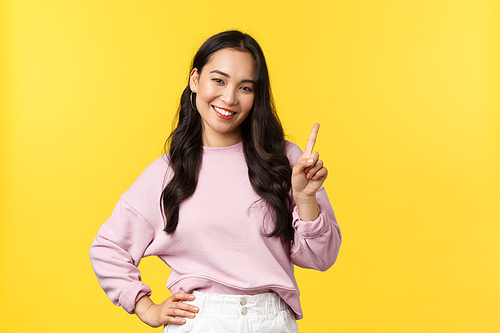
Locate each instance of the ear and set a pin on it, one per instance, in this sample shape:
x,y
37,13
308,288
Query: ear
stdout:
x,y
193,80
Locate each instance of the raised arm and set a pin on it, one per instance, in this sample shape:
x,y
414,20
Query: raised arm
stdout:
x,y
317,234
308,176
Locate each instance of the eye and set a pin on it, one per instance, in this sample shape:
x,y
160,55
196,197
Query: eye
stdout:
x,y
247,89
218,80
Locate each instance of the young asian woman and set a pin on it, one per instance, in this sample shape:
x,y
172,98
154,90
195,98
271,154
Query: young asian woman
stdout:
x,y
230,208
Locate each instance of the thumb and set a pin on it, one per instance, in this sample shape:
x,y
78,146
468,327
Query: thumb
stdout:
x,y
302,165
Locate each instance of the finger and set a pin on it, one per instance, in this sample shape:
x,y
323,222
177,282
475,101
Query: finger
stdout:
x,y
302,165
312,140
311,161
183,306
181,297
316,167
181,313
175,321
321,174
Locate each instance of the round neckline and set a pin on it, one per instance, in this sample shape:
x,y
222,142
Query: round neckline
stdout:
x,y
223,151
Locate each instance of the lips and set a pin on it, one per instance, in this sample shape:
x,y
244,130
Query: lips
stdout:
x,y
223,113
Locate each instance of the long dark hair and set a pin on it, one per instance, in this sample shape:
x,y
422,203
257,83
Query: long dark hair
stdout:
x,y
269,169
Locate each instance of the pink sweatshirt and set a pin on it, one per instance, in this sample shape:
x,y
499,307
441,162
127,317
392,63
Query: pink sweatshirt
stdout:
x,y
219,245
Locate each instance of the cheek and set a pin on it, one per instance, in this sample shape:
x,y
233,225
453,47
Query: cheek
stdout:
x,y
247,103
206,93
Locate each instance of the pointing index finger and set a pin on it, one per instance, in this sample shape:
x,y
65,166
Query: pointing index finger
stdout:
x,y
312,140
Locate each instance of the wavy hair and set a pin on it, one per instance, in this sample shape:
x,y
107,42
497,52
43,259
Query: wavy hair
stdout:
x,y
269,169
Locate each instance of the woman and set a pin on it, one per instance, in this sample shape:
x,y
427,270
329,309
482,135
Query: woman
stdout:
x,y
224,208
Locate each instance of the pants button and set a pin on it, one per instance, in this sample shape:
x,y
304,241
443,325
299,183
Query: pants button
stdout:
x,y
244,311
243,301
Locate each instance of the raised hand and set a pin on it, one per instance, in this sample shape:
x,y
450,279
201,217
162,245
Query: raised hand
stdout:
x,y
307,177
171,311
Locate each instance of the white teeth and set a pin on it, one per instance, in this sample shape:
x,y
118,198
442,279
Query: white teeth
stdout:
x,y
224,112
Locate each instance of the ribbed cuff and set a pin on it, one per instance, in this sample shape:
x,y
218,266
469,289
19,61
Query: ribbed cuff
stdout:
x,y
308,229
132,294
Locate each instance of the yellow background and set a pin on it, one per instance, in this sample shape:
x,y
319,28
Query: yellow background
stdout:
x,y
407,96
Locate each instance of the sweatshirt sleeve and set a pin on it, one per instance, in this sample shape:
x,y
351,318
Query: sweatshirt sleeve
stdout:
x,y
116,252
316,243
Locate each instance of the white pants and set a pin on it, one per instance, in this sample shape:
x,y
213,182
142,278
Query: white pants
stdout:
x,y
238,314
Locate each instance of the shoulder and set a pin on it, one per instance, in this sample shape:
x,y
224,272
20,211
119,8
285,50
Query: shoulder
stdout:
x,y
157,169
150,182
293,152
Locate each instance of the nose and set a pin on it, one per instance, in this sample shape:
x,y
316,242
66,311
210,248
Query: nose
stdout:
x,y
229,96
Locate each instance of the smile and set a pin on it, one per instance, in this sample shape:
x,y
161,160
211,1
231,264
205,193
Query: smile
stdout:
x,y
223,112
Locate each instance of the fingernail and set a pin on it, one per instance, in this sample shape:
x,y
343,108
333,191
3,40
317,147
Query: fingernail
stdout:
x,y
182,321
309,161
191,297
194,308
191,315
308,176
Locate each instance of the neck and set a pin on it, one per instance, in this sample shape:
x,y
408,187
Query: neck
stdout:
x,y
221,139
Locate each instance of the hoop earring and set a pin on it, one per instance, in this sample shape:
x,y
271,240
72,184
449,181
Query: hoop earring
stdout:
x,y
191,100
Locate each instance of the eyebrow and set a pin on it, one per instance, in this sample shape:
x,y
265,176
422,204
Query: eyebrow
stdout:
x,y
229,76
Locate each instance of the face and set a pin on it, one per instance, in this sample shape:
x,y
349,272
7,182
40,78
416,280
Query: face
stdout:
x,y
224,95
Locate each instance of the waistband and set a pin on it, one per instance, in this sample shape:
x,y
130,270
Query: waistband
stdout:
x,y
266,304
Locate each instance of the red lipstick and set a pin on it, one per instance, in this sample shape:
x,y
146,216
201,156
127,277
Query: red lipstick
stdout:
x,y
221,115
